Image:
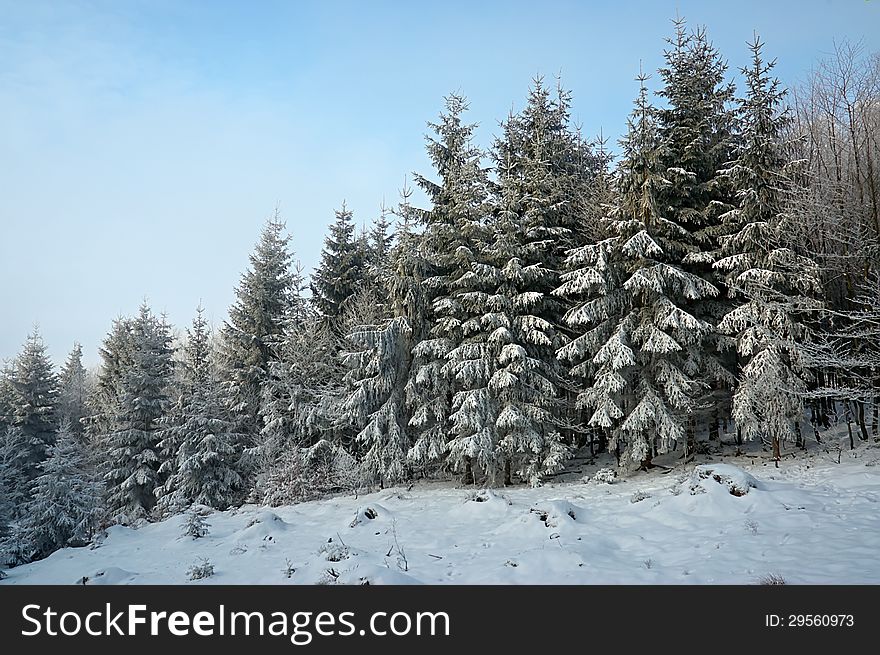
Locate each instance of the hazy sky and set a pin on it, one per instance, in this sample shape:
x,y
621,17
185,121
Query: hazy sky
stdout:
x,y
144,143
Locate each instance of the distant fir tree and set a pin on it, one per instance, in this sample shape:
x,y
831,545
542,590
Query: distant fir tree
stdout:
x,y
13,487
116,358
34,404
445,252
7,393
342,267
131,467
198,438
375,248
64,506
72,397
269,291
637,339
772,284
697,125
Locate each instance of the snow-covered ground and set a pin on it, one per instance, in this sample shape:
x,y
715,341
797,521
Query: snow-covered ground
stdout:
x,y
812,520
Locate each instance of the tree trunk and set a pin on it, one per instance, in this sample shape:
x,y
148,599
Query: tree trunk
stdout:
x,y
852,444
860,417
715,429
468,477
875,417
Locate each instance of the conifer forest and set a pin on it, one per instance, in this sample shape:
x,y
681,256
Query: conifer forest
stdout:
x,y
707,286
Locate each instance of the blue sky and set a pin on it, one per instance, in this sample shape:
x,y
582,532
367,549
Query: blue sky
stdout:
x,y
144,143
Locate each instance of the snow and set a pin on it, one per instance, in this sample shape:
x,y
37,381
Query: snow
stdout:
x,y
811,521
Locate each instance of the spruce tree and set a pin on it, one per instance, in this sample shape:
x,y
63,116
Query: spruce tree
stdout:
x,y
206,460
34,404
637,340
342,267
65,501
445,252
116,358
72,396
378,362
551,174
131,467
502,416
198,438
697,126
771,283
265,297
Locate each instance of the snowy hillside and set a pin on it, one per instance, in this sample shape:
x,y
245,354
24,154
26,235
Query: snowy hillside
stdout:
x,y
812,520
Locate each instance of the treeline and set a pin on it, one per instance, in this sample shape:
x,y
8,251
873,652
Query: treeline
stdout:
x,y
720,278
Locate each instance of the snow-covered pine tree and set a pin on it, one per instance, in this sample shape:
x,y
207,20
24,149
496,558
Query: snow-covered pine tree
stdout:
x,y
198,439
34,404
381,239
503,366
636,338
300,403
445,252
11,483
72,395
207,461
132,460
65,501
697,126
267,294
116,359
195,525
377,359
342,268
771,283
551,173
192,373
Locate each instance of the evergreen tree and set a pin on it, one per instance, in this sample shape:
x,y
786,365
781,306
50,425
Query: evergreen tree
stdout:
x,y
198,439
502,418
7,394
266,296
34,404
446,250
206,461
551,173
380,338
64,503
771,283
342,266
193,372
377,401
697,128
72,397
116,358
132,446
301,395
195,525
12,483
638,343
376,250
